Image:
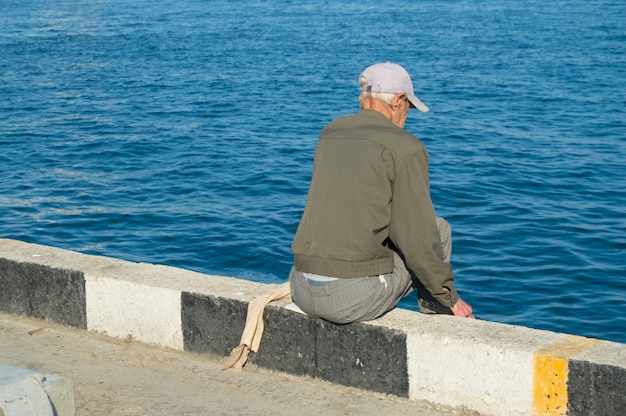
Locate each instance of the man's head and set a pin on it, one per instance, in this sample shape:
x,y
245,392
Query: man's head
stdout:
x,y
387,88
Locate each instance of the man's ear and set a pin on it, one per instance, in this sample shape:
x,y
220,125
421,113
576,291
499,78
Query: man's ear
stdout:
x,y
398,99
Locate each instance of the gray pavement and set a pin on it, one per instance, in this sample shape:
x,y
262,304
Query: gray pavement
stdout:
x,y
124,377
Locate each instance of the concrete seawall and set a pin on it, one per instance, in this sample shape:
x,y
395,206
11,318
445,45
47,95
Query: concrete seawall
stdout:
x,y
480,366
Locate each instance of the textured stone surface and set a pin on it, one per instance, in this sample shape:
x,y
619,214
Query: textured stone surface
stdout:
x,y
358,355
211,324
596,390
288,343
364,356
124,309
43,292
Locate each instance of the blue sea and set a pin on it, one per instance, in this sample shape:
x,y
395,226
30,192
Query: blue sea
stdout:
x,y
182,133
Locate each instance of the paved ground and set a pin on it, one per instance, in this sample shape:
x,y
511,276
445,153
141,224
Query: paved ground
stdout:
x,y
123,377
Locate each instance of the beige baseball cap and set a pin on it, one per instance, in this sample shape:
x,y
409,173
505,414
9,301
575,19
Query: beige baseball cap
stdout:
x,y
391,78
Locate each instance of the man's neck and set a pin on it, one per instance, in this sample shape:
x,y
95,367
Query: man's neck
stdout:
x,y
377,105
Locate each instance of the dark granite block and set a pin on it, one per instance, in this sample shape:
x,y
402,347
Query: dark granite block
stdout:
x,y
596,390
288,342
43,292
211,324
357,355
363,356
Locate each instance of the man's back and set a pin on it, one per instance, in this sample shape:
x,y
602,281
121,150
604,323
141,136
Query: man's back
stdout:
x,y
345,227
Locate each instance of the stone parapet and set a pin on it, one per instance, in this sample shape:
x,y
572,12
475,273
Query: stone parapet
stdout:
x,y
473,365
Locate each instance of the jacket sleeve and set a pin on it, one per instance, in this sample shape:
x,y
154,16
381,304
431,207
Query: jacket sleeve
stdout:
x,y
413,228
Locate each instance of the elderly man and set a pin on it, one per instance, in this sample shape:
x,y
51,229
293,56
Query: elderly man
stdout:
x,y
369,234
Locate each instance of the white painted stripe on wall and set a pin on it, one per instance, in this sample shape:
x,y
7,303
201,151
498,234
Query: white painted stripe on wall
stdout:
x,y
492,378
121,309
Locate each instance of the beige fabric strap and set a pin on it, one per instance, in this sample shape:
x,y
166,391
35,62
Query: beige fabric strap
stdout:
x,y
253,331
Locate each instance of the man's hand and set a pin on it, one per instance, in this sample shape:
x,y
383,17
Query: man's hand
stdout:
x,y
462,309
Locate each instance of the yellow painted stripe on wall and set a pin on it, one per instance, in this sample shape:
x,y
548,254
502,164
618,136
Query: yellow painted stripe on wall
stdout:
x,y
550,385
551,372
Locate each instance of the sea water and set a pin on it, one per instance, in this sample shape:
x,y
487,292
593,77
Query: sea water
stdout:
x,y
182,133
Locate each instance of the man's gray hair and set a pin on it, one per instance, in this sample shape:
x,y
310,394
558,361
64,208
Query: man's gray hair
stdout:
x,y
386,97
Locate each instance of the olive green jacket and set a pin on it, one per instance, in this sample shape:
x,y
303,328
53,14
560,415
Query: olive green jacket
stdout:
x,y
369,194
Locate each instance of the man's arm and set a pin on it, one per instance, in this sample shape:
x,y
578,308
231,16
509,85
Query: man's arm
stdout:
x,y
414,230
